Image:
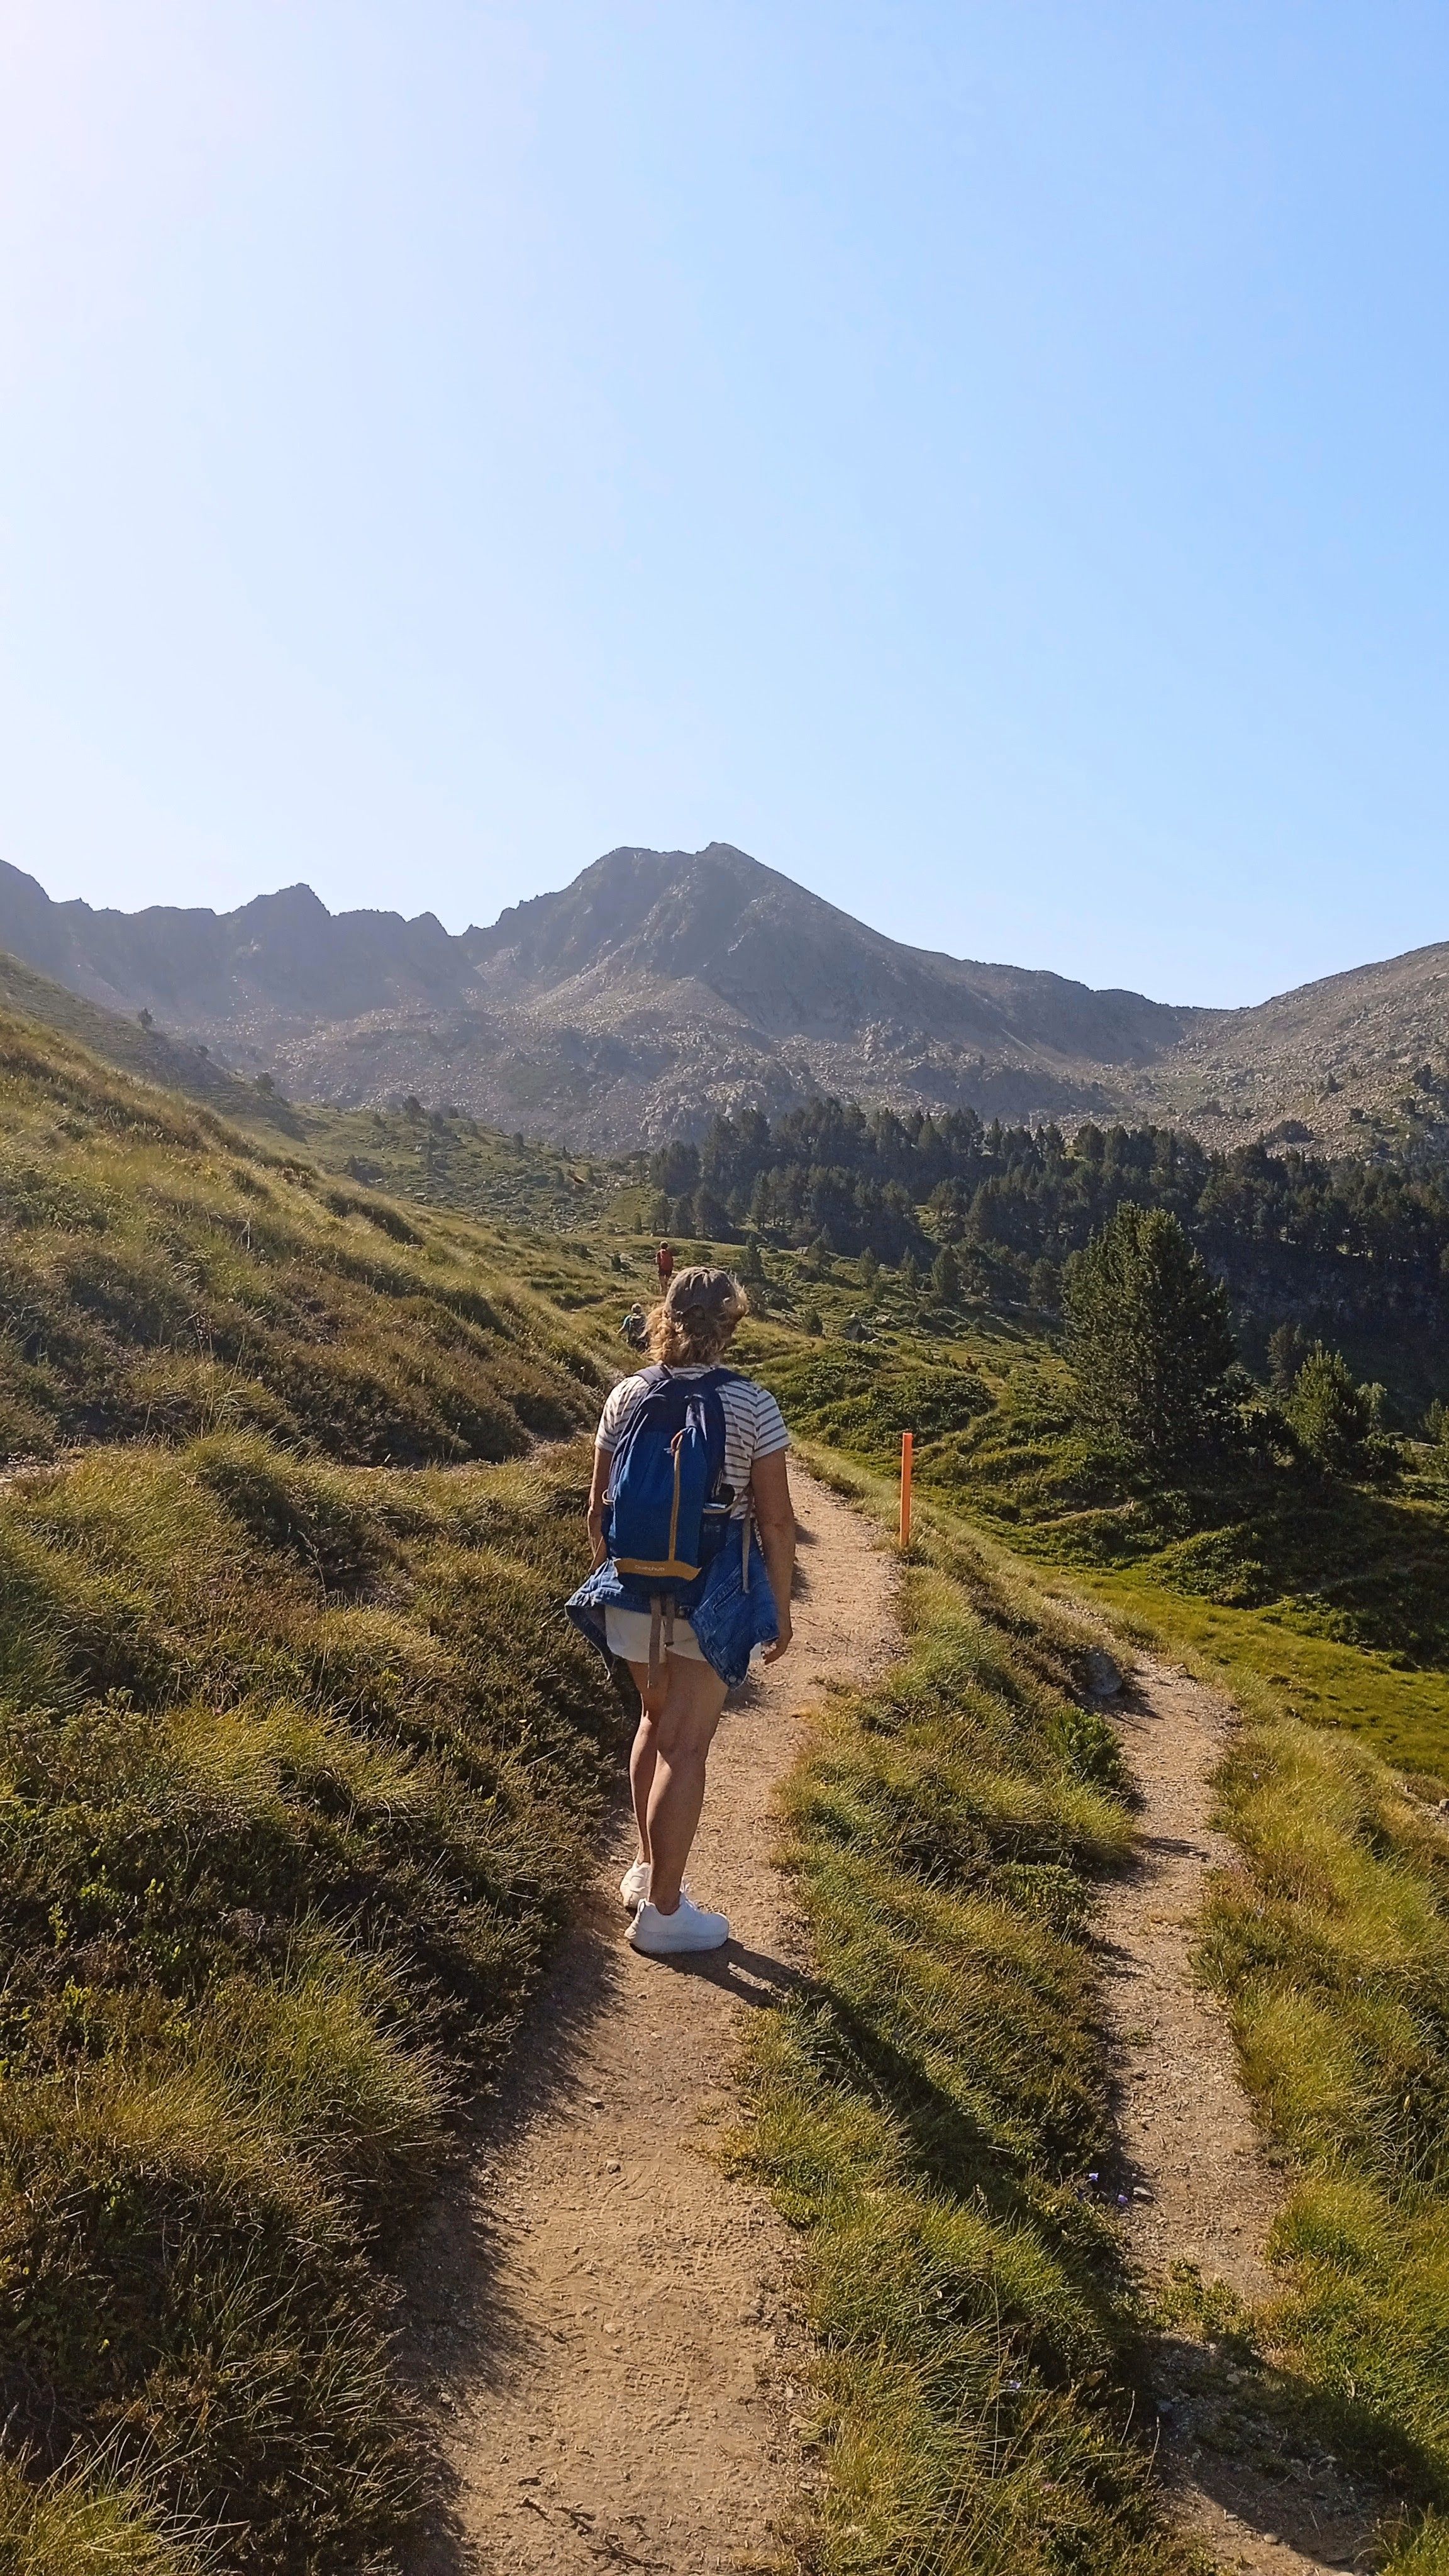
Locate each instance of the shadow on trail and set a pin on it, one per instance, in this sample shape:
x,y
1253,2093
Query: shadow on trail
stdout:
x,y
461,2329
751,1976
1283,2460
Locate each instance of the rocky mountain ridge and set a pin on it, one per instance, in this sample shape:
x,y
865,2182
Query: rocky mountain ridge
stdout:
x,y
661,986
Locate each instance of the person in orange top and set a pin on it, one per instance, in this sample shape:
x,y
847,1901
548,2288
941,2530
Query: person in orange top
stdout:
x,y
664,1264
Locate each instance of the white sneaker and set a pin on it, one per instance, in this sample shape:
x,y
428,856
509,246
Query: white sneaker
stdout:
x,y
634,1885
687,1928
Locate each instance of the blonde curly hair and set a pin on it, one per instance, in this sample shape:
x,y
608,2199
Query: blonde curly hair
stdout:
x,y
684,1335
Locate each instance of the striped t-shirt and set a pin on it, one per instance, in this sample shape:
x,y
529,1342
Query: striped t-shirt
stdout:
x,y
754,1426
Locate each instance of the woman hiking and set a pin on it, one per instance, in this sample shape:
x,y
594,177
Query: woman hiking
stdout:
x,y
694,1555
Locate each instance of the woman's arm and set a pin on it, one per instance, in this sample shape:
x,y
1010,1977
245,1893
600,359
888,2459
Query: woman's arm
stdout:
x,y
775,1521
603,1461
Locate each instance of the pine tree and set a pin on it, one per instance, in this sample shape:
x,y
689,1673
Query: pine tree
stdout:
x,y
1332,1416
1148,1337
946,1275
1046,1287
1287,1351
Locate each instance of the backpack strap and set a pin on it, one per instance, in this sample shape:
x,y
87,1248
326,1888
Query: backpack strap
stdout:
x,y
650,1379
656,1650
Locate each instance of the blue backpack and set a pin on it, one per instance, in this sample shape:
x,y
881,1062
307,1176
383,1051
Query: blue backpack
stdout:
x,y
668,1506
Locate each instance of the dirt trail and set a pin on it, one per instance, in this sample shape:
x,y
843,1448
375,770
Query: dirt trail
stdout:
x,y
602,2320
1200,2187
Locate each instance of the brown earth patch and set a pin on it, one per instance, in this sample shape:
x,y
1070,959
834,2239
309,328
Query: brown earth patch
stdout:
x,y
1196,2179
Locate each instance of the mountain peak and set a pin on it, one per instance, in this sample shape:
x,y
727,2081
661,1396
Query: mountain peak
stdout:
x,y
664,985
294,903
656,987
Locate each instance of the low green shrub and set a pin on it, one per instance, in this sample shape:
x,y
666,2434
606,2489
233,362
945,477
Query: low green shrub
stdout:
x,y
864,1399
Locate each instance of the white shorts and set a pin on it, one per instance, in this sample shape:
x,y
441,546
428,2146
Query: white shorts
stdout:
x,y
628,1635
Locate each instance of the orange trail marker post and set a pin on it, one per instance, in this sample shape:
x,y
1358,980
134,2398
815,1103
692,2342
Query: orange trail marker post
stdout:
x,y
907,1446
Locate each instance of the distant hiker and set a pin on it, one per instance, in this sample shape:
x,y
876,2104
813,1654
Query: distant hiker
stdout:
x,y
664,1264
635,1328
694,1555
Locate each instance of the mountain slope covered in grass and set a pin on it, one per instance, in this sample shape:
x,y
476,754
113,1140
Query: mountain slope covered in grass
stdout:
x,y
163,1273
439,1156
298,1760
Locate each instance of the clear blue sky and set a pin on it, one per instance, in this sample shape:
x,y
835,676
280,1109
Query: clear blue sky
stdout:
x,y
987,460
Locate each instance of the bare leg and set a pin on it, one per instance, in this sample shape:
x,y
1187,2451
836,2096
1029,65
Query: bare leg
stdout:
x,y
642,1753
652,1690
682,1735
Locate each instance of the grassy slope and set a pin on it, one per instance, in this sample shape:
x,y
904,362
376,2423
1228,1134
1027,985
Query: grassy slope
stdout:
x,y
1330,1948
123,1043
1330,1945
161,1273
292,1799
442,1161
453,1162
1338,1598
